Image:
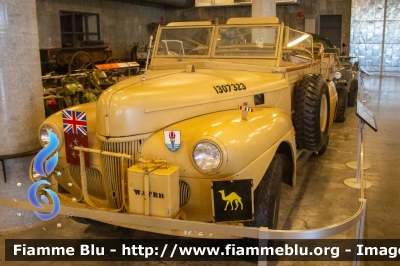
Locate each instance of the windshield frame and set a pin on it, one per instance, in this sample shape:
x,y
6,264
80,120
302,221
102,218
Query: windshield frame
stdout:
x,y
277,44
304,47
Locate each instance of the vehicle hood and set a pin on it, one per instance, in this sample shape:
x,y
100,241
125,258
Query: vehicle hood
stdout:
x,y
134,107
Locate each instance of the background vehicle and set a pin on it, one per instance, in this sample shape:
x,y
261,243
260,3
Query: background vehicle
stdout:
x,y
62,91
345,78
212,130
72,59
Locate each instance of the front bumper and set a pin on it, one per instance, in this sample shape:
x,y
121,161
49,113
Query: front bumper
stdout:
x,y
193,229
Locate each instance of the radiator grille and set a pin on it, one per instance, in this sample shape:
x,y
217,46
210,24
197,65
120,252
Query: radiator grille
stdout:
x,y
184,193
112,168
94,181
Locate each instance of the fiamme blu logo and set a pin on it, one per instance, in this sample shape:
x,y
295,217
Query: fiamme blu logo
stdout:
x,y
44,164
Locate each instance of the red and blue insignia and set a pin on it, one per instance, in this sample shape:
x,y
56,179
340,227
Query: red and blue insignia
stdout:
x,y
172,139
75,134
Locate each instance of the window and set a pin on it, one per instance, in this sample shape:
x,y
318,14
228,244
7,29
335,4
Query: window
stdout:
x,y
78,27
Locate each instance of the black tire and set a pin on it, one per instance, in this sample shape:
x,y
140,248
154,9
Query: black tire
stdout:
x,y
353,93
341,105
267,196
312,112
267,200
323,149
82,220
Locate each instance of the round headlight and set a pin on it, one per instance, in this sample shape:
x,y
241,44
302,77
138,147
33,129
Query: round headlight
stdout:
x,y
36,176
32,173
338,75
44,136
207,156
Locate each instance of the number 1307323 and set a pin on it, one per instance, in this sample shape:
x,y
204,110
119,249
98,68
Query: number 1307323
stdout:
x,y
229,88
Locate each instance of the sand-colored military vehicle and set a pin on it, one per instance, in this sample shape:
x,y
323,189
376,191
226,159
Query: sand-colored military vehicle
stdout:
x,y
208,134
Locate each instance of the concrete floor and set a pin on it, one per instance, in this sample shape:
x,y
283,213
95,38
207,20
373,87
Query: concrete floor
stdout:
x,y
319,199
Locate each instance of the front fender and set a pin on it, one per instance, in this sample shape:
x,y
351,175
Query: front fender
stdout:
x,y
241,141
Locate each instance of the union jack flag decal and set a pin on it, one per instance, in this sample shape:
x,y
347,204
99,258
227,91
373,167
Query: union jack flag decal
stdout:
x,y
74,122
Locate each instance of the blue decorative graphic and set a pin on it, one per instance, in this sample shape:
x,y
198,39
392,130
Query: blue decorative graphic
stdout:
x,y
33,199
45,200
44,153
44,168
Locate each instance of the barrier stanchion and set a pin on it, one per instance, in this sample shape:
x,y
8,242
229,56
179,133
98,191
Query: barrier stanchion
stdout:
x,y
354,164
359,232
355,182
366,117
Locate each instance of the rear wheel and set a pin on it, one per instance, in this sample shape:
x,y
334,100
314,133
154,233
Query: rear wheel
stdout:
x,y
353,93
311,113
341,105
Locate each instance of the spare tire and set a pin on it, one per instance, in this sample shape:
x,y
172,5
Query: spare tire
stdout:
x,y
311,113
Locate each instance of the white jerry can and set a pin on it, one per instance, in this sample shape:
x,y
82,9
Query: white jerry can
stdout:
x,y
153,191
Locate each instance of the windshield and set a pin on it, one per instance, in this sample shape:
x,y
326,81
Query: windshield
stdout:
x,y
298,47
193,41
299,39
248,41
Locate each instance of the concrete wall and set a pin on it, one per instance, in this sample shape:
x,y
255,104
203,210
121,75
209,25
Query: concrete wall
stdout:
x,y
286,13
121,24
21,102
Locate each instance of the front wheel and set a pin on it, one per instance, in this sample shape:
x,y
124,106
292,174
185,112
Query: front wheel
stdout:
x,y
267,196
82,220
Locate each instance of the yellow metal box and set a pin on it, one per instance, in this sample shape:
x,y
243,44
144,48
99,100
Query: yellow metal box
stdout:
x,y
154,191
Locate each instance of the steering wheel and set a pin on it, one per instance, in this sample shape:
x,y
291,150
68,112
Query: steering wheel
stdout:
x,y
200,50
172,53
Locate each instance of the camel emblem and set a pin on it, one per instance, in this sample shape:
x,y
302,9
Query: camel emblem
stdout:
x,y
232,197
